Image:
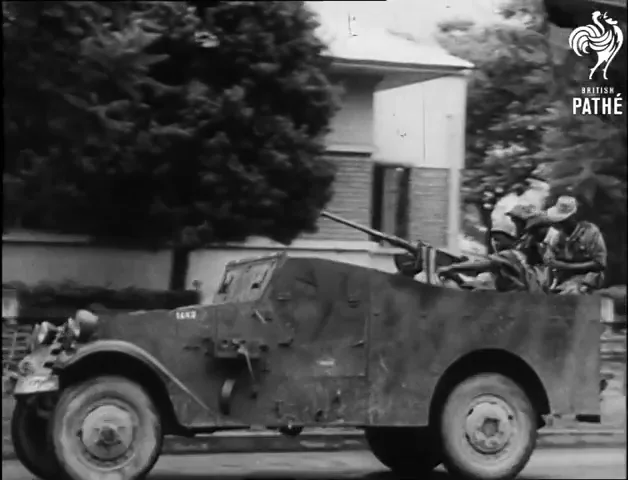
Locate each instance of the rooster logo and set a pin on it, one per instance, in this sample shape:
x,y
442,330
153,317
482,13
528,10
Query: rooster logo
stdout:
x,y
604,38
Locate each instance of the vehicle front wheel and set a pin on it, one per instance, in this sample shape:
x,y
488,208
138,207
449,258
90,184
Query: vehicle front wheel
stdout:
x,y
106,427
31,448
488,428
407,451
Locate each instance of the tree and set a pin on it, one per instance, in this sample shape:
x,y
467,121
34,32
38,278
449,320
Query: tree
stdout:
x,y
71,70
519,120
166,124
582,155
585,156
508,96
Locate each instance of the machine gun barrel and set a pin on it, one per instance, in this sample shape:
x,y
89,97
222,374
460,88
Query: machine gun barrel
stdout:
x,y
392,239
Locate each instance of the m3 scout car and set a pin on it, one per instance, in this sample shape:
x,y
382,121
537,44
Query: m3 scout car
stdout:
x,y
431,375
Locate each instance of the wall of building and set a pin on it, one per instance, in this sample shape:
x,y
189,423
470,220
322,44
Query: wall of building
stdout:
x,y
60,260
46,259
352,126
430,205
351,200
350,144
422,125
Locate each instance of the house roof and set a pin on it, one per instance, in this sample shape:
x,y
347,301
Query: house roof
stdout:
x,y
378,47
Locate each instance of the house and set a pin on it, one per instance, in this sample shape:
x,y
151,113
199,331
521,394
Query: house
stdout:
x,y
397,141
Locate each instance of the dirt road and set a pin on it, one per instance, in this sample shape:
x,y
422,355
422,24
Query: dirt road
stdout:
x,y
552,464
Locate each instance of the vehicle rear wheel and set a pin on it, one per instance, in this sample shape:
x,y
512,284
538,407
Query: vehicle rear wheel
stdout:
x,y
31,448
488,428
107,427
407,451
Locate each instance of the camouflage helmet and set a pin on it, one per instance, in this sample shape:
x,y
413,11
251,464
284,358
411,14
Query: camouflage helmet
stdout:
x,y
504,225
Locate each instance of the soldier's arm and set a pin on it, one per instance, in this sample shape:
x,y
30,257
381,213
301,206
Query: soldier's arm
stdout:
x,y
550,242
596,248
470,266
490,264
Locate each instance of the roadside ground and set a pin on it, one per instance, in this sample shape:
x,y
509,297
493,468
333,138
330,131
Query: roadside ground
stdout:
x,y
547,464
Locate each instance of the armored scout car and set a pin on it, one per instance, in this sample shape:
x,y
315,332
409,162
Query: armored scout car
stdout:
x,y
431,375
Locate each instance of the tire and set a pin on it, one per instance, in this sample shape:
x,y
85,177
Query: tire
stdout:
x,y
129,421
408,451
33,449
475,403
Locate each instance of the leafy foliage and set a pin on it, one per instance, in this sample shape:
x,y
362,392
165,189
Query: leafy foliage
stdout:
x,y
195,122
508,96
520,122
585,155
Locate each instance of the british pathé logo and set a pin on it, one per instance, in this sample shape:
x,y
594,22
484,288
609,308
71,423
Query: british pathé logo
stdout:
x,y
598,101
603,37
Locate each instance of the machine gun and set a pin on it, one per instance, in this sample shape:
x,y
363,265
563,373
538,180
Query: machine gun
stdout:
x,y
418,254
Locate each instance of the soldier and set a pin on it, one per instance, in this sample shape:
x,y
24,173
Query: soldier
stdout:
x,y
518,268
533,244
576,252
504,235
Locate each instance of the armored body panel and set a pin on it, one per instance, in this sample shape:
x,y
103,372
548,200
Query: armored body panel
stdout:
x,y
308,341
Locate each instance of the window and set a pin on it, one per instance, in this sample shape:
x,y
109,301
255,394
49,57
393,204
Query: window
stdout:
x,y
391,200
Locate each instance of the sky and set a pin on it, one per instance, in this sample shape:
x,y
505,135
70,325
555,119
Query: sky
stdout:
x,y
417,17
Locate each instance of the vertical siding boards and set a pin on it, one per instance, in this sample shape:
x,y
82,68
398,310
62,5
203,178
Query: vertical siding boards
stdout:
x,y
429,196
352,127
429,204
352,200
353,124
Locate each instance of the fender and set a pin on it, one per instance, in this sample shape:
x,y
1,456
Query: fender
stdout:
x,y
126,348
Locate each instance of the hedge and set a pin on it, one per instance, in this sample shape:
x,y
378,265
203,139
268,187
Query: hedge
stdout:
x,y
56,301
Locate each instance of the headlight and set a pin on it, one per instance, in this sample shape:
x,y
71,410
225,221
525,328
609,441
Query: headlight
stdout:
x,y
43,334
83,325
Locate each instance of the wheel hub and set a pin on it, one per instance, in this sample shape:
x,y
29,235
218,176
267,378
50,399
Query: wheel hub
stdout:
x,y
107,432
488,426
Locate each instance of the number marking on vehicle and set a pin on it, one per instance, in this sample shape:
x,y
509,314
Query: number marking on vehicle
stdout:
x,y
185,315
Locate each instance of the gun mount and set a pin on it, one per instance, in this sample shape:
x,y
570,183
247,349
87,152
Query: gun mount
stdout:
x,y
418,256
